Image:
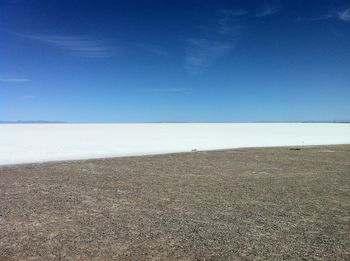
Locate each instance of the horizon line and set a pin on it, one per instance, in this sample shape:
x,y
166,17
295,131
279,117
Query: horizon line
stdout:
x,y
159,122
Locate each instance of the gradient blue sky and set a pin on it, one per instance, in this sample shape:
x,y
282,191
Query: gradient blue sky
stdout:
x,y
139,61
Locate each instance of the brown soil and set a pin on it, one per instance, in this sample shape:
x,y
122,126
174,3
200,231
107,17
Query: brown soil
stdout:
x,y
258,203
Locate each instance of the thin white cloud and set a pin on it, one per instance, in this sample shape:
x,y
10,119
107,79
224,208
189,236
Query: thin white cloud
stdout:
x,y
344,15
322,17
298,19
228,22
152,49
202,53
216,42
13,80
77,45
178,90
267,10
234,13
26,97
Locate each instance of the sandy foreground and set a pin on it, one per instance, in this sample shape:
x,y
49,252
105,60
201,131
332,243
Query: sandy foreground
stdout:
x,y
257,203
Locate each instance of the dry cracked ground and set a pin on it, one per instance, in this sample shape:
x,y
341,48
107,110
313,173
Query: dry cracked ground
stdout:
x,y
243,204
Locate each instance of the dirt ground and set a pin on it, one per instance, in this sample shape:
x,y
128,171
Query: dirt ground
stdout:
x,y
243,204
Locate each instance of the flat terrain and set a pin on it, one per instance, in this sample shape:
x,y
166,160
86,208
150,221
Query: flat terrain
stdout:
x,y
258,203
28,143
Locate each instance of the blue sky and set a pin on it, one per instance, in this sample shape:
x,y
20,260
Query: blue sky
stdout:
x,y
146,61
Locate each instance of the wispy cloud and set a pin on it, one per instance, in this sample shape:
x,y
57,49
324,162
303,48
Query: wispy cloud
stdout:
x,y
153,49
26,97
298,19
344,15
178,90
77,45
234,13
13,80
228,24
216,42
202,53
322,17
267,10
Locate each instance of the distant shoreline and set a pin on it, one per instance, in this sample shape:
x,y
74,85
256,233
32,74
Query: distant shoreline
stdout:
x,y
160,122
21,143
